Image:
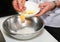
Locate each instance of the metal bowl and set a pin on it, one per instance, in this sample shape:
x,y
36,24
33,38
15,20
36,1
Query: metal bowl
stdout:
x,y
13,27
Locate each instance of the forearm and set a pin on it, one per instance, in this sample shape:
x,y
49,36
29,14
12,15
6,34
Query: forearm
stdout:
x,y
58,3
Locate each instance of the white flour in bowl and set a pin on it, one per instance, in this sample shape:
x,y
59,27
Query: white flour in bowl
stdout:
x,y
26,30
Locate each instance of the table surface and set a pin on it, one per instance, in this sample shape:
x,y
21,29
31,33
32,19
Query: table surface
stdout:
x,y
45,36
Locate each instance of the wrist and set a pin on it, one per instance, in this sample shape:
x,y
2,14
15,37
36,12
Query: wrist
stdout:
x,y
55,5
58,3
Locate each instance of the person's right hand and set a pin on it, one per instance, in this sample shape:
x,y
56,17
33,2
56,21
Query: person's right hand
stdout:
x,y
18,5
46,6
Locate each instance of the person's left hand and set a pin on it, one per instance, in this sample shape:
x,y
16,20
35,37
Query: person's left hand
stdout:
x,y
47,6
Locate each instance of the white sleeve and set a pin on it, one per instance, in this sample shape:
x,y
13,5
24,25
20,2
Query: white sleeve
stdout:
x,y
48,0
41,1
34,0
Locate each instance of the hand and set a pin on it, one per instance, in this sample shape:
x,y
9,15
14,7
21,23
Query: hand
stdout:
x,y
45,7
19,5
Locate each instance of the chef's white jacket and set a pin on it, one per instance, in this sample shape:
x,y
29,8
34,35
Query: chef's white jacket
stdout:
x,y
54,19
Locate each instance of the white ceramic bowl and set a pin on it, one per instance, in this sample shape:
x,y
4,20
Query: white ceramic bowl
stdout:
x,y
31,6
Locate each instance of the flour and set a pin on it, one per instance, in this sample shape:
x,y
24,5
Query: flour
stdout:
x,y
26,30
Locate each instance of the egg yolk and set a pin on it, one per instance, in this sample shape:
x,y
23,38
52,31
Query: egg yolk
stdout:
x,y
30,12
22,17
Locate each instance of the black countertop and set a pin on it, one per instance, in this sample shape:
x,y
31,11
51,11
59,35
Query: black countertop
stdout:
x,y
55,32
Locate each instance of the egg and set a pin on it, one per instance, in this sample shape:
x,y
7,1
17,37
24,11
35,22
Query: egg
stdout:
x,y
30,12
22,17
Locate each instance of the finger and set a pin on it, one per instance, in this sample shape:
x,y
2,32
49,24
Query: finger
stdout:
x,y
23,1
43,11
15,5
43,5
22,8
40,5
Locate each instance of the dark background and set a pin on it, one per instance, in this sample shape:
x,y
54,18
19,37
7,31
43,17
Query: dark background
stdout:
x,y
6,8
